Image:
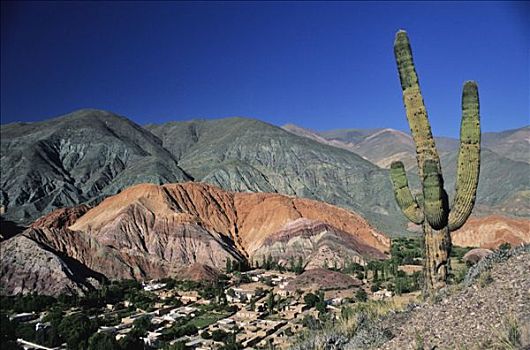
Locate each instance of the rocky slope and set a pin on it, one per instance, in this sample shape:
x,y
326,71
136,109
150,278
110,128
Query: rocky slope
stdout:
x,y
379,146
28,266
151,231
512,144
477,316
199,273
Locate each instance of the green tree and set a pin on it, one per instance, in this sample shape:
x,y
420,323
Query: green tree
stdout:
x,y
141,325
270,302
505,246
8,335
228,265
299,268
219,335
361,295
102,341
310,299
181,345
48,337
131,342
76,329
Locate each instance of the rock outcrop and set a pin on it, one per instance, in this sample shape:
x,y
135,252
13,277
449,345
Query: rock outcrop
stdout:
x,y
152,231
475,255
492,231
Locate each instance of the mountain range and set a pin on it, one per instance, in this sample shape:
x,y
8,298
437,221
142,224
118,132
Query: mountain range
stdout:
x,y
87,155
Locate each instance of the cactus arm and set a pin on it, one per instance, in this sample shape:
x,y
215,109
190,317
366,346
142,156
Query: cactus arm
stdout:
x,y
404,198
435,199
468,158
414,105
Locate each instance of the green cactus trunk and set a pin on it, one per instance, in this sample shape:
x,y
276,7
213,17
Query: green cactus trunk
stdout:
x,y
431,209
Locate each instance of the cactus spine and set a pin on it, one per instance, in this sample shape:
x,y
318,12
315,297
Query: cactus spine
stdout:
x,y
432,209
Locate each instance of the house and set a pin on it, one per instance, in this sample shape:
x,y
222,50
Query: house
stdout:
x,y
195,343
153,286
382,294
23,317
163,310
130,319
187,310
110,330
189,297
337,301
40,325
152,339
240,295
248,314
226,323
282,292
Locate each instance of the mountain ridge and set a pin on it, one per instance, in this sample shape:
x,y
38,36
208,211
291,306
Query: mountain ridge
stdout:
x,y
87,155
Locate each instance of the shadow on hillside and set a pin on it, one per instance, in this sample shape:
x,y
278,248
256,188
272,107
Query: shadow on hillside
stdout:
x,y
9,229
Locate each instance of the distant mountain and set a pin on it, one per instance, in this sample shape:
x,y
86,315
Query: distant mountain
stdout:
x,y
512,144
379,146
149,231
505,157
81,157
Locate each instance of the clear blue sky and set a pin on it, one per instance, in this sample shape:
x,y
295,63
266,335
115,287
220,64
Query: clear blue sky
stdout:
x,y
318,65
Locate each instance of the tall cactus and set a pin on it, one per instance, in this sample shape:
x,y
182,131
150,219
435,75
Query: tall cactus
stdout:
x,y
431,209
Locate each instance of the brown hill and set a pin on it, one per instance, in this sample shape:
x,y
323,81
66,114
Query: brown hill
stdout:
x,y
320,278
492,231
151,231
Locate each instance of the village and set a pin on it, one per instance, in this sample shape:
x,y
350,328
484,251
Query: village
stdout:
x,y
254,309
268,306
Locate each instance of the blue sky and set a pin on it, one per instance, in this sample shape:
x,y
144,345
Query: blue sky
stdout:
x,y
320,65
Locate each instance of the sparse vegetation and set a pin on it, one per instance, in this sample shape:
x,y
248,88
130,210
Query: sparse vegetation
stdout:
x,y
509,337
419,342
